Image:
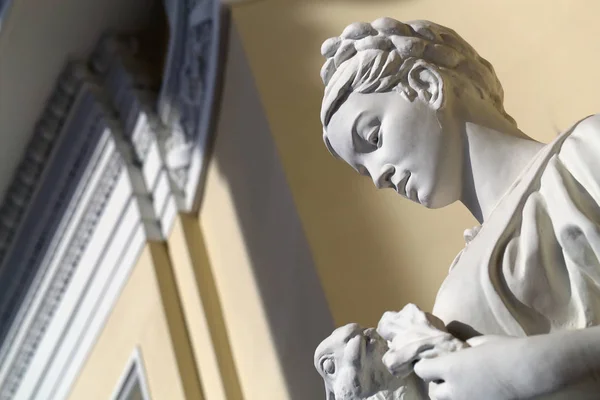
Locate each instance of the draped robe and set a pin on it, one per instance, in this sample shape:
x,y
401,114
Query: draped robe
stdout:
x,y
534,266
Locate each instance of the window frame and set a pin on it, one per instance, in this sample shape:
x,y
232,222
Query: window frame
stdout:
x,y
133,374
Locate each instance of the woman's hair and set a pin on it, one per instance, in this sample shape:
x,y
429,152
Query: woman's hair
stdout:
x,y
378,57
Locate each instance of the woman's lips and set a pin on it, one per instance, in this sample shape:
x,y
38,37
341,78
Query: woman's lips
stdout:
x,y
405,189
402,185
413,195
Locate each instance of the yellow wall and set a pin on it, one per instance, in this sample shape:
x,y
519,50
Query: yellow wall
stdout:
x,y
361,239
273,308
545,53
147,315
201,305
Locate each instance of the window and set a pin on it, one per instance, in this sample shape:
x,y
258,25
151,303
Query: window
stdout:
x,y
133,383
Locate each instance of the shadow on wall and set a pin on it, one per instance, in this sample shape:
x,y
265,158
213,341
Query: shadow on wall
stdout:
x,y
244,155
363,241
386,248
373,251
346,230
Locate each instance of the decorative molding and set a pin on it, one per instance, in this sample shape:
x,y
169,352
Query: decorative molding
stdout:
x,y
96,144
60,282
31,208
70,160
190,91
86,307
104,172
134,94
19,194
130,89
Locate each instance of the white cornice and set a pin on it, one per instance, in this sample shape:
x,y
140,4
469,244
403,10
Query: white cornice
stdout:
x,y
39,215
31,169
86,163
97,192
103,173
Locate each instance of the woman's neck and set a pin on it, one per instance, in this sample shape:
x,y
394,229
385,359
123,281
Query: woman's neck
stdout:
x,y
496,152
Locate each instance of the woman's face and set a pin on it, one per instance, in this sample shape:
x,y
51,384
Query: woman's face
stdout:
x,y
401,145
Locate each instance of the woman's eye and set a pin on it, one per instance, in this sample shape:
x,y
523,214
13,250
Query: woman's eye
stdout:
x,y
373,136
328,366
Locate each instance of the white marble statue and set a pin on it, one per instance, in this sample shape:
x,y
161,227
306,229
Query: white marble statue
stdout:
x,y
350,361
358,363
416,109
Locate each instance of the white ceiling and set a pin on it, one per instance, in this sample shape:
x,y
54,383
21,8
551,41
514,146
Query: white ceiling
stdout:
x,y
37,38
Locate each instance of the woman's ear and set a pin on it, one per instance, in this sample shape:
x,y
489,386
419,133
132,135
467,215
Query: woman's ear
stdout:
x,y
426,80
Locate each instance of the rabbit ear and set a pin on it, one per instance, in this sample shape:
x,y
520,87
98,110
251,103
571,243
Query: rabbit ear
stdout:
x,y
330,395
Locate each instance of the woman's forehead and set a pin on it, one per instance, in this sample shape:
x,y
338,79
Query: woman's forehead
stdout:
x,y
352,106
339,131
345,115
340,146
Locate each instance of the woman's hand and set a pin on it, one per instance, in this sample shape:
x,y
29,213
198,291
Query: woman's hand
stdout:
x,y
412,335
478,372
561,365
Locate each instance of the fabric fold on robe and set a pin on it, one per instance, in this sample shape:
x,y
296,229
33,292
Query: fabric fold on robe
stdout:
x,y
534,266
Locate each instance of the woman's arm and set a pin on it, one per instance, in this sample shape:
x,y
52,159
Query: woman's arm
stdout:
x,y
564,363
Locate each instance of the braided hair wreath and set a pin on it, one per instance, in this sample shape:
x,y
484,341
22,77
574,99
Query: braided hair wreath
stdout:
x,y
378,57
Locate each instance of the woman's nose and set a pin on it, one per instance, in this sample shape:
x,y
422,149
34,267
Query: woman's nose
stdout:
x,y
384,178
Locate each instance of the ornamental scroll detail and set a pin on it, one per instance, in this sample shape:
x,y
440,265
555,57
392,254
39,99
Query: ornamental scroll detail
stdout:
x,y
193,87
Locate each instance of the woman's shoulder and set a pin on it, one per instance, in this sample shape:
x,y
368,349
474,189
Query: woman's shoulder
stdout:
x,y
580,152
589,124
583,137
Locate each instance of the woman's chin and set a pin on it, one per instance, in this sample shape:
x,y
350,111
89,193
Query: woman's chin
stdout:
x,y
434,202
424,200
